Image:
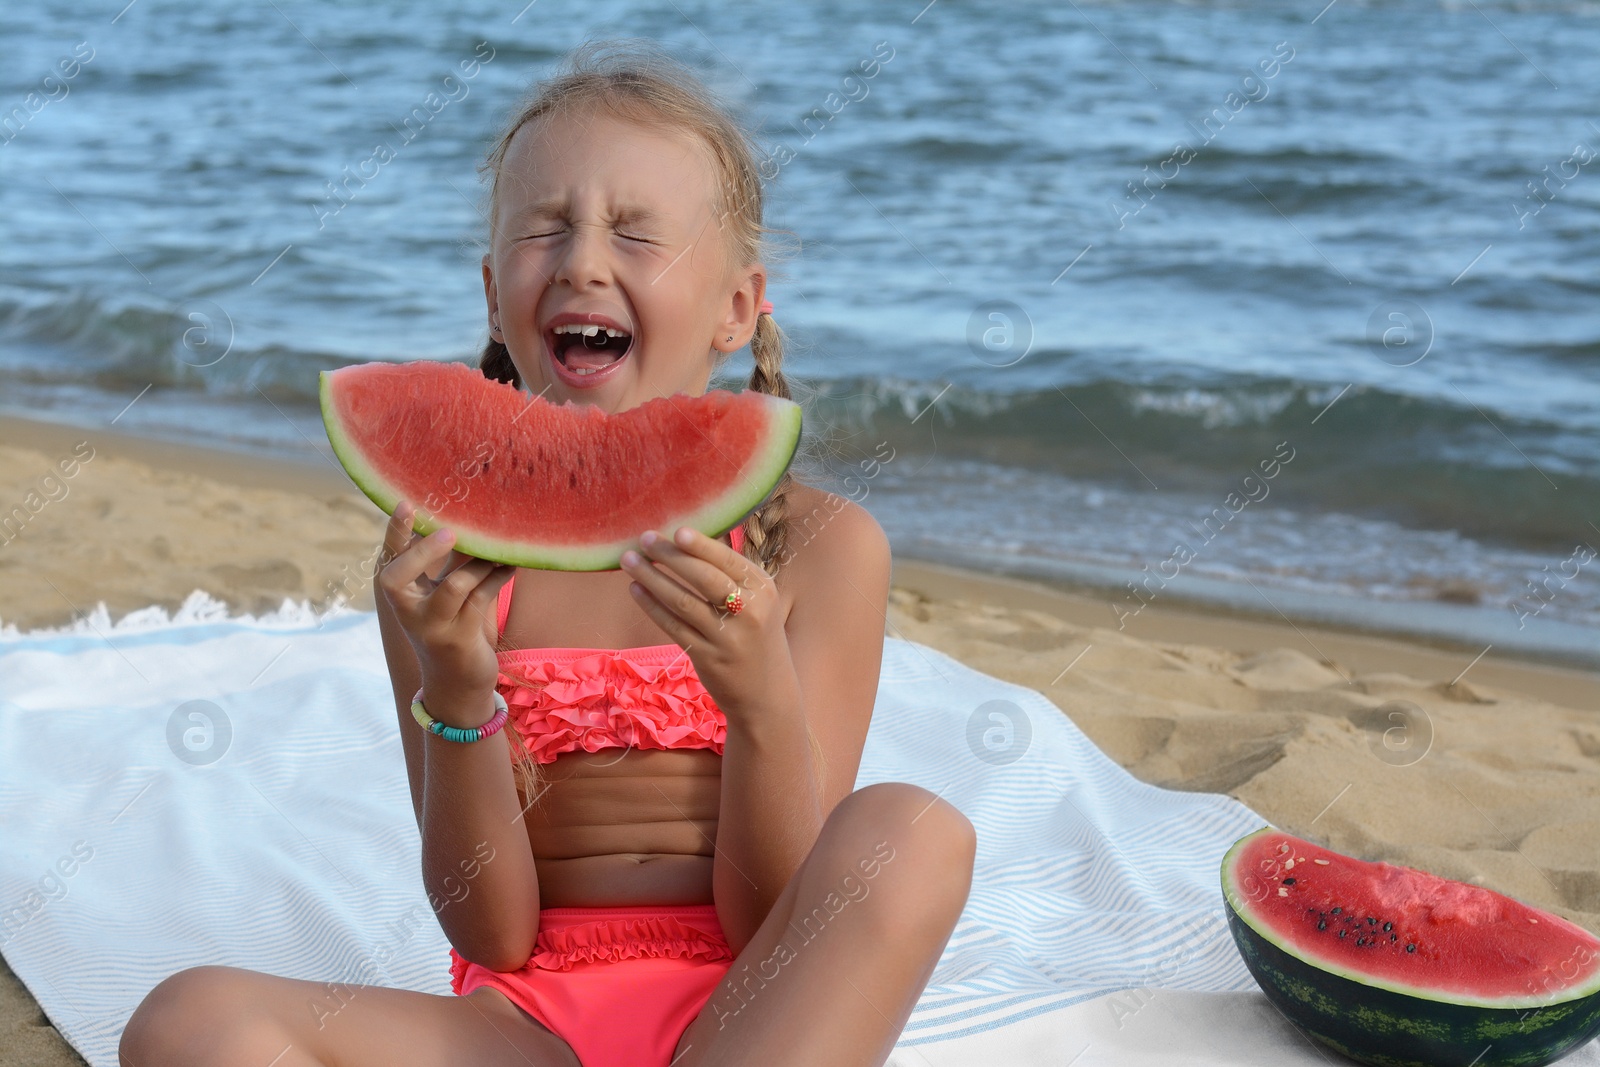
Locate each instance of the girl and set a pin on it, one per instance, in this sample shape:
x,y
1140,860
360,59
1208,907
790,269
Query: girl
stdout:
x,y
659,859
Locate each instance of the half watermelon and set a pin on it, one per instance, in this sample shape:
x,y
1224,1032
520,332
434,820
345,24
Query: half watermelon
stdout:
x,y
1390,965
524,481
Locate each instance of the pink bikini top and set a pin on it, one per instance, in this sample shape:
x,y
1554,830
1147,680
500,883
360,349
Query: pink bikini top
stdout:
x,y
566,699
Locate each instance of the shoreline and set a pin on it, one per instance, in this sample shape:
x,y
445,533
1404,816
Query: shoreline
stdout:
x,y
1180,619
1435,624
1358,651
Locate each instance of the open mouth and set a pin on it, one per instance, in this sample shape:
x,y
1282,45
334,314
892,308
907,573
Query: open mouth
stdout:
x,y
585,348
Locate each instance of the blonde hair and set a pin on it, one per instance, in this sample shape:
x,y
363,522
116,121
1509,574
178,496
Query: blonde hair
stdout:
x,y
633,80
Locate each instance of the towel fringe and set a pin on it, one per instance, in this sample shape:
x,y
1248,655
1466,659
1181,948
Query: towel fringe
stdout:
x,y
199,608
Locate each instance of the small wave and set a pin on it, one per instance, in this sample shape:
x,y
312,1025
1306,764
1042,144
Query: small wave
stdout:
x,y
1292,177
1314,277
1548,292
1297,157
933,149
1302,192
1216,408
76,339
1364,451
1580,352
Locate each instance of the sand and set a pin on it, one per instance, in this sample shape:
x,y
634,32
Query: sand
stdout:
x,y
1487,770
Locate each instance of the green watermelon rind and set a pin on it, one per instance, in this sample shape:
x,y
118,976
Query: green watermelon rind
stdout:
x,y
350,458
1378,1023
715,518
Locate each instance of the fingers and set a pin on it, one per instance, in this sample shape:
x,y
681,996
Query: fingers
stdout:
x,y
397,535
672,620
446,600
481,598
710,569
693,543
453,560
421,556
662,591
684,593
461,581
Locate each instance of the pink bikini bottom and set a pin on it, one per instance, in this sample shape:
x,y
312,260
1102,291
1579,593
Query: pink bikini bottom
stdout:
x,y
620,985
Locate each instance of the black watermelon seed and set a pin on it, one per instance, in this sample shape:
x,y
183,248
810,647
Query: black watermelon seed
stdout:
x,y
1388,926
1371,921
1393,937
1321,925
1288,881
1411,948
1336,911
1342,933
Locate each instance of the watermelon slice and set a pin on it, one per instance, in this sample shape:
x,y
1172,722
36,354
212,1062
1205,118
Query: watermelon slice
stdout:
x,y
1390,965
524,481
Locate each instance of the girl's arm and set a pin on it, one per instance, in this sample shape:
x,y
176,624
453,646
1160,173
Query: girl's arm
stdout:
x,y
477,864
405,676
476,861
775,796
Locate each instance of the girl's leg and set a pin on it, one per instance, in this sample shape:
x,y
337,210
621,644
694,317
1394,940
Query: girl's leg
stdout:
x,y
230,1017
833,972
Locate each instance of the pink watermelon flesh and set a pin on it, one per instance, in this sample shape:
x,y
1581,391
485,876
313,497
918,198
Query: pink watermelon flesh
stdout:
x,y
569,487
1404,929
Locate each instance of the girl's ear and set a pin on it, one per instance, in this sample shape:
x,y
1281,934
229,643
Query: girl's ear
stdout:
x,y
492,299
744,304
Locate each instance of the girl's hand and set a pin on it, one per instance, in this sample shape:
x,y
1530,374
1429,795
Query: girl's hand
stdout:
x,y
450,621
683,585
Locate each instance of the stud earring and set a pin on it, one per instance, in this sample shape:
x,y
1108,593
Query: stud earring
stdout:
x,y
730,337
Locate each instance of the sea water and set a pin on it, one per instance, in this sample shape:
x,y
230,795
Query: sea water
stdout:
x,y
1064,282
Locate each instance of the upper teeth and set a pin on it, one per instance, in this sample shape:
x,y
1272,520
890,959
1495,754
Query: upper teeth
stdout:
x,y
590,331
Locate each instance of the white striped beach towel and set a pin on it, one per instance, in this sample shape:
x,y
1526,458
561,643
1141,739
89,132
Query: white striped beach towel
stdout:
x,y
1087,880
138,841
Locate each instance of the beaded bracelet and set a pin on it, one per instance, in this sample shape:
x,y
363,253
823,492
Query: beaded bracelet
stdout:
x,y
457,733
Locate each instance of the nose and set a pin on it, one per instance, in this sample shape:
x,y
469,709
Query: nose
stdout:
x,y
584,262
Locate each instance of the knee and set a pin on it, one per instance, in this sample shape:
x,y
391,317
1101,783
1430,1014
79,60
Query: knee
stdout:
x,y
178,1015
928,842
925,822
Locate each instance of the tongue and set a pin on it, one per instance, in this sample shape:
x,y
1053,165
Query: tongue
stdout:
x,y
589,359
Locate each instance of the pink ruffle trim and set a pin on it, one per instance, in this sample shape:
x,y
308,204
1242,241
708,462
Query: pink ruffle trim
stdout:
x,y
605,700
458,972
609,940
624,939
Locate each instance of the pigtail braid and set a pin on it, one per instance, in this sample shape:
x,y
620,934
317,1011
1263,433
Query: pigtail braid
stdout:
x,y
495,362
767,527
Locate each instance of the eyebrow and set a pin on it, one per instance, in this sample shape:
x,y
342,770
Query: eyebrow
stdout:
x,y
552,206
